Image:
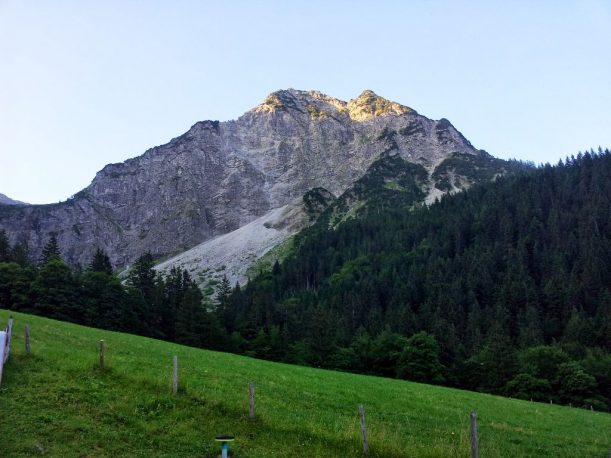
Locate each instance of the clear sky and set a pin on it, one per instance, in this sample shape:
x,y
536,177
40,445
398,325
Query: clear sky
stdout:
x,y
86,83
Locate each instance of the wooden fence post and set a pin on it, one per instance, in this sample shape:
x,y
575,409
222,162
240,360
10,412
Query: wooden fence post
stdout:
x,y
251,399
474,441
102,351
363,428
27,339
175,376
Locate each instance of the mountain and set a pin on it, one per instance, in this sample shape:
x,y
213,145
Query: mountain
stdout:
x,y
220,176
502,288
5,200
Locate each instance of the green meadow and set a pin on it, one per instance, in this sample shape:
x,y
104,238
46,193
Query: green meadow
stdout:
x,y
57,402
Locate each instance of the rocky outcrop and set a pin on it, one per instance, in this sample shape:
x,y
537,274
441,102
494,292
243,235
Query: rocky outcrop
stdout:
x,y
220,176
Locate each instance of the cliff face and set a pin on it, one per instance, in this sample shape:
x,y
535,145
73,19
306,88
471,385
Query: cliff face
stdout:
x,y
219,176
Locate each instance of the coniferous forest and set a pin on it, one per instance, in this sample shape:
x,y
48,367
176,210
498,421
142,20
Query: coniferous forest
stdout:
x,y
503,288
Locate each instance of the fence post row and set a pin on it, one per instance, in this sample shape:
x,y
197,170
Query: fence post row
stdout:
x,y
5,342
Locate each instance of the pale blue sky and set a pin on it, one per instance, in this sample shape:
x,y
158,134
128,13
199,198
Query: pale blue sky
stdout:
x,y
85,83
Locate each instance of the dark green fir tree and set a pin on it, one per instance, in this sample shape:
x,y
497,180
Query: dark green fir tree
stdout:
x,y
51,249
100,262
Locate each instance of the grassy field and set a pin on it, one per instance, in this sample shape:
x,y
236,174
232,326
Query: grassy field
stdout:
x,y
56,402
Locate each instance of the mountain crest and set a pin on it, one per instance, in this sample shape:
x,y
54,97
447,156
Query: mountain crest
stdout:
x,y
220,176
369,105
366,106
315,103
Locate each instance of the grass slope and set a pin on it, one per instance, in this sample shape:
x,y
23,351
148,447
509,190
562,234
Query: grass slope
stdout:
x,y
56,402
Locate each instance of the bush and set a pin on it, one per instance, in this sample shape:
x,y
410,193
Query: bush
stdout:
x,y
419,360
525,386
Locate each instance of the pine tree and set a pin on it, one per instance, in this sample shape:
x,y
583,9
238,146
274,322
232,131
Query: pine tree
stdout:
x,y
54,291
224,308
15,282
105,303
175,285
51,249
191,318
147,294
100,262
143,277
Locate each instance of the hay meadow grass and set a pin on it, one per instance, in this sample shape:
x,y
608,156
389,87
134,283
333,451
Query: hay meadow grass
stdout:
x,y
56,402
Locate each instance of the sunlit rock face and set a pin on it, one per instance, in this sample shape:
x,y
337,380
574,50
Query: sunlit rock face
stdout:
x,y
219,176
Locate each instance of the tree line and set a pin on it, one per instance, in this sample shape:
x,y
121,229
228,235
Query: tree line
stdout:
x,y
169,307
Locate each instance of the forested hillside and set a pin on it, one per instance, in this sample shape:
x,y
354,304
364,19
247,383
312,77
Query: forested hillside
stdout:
x,y
503,288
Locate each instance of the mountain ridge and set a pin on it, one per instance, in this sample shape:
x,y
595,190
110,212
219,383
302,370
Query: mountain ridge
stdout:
x,y
219,176
6,200
366,106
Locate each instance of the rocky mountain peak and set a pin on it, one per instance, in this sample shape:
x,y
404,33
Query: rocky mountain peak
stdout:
x,y
220,176
318,105
369,104
278,101
315,103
